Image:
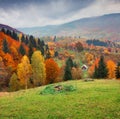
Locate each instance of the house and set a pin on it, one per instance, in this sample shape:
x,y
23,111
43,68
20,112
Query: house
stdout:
x,y
84,67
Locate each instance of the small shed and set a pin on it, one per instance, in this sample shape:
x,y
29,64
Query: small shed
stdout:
x,y
84,67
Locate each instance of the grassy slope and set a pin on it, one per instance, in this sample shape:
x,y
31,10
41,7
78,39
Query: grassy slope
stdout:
x,y
92,100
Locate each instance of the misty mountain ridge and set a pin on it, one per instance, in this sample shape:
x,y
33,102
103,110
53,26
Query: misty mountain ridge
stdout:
x,y
102,27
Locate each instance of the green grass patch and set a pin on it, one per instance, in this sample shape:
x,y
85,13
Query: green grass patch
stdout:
x,y
56,89
99,99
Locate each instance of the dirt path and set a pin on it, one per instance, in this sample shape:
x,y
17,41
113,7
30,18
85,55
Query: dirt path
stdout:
x,y
3,94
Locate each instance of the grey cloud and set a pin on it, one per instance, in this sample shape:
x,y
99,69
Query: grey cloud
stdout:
x,y
22,13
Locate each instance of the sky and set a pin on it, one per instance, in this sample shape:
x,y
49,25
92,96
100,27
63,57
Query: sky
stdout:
x,y
30,13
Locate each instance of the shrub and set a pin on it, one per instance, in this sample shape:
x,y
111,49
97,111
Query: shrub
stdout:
x,y
56,89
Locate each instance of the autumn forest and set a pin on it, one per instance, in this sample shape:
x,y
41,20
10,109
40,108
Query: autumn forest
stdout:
x,y
27,61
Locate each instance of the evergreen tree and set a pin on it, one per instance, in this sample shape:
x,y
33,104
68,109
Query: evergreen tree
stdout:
x,y
23,38
56,54
5,46
54,39
95,74
101,71
70,62
48,55
14,36
69,65
117,71
40,48
8,32
39,41
26,40
22,50
32,41
30,52
42,43
3,30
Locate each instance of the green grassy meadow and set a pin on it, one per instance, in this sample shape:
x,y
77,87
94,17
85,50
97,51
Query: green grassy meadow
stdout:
x,y
99,99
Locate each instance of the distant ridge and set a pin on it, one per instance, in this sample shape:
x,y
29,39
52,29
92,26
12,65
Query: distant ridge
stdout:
x,y
9,28
105,27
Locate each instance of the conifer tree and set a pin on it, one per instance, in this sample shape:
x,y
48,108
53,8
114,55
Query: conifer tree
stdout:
x,y
14,36
22,50
101,71
95,74
117,71
3,30
30,52
48,55
23,38
69,65
70,62
5,46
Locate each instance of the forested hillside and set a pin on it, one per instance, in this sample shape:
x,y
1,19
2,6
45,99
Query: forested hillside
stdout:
x,y
27,61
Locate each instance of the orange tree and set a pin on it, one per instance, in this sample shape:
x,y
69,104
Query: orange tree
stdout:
x,y
52,70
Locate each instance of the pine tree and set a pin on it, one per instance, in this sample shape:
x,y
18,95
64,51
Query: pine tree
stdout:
x,y
101,71
14,36
117,71
39,41
23,38
5,46
38,66
3,30
48,55
30,52
56,54
95,74
26,40
32,41
68,67
54,39
22,50
40,48
70,62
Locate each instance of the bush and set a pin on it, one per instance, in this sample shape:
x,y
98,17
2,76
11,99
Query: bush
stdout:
x,y
55,89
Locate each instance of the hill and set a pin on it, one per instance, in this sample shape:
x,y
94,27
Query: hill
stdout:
x,y
92,100
103,27
6,27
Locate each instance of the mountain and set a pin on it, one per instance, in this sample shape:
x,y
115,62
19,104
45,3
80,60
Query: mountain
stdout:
x,y
102,27
9,28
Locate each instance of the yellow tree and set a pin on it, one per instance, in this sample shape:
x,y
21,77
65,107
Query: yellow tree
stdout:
x,y
38,66
24,71
14,83
111,69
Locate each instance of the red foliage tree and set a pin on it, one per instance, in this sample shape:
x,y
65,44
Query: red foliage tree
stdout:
x,y
52,71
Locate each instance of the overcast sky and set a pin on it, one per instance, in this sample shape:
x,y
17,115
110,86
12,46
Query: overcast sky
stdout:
x,y
28,13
